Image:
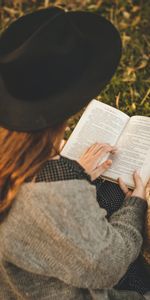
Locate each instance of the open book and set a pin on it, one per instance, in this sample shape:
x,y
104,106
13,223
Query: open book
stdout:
x,y
105,124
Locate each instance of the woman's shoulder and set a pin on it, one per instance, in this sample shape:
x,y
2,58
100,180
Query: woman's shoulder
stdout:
x,y
50,193
58,187
49,199
54,206
38,196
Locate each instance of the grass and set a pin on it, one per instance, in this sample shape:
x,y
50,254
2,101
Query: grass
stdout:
x,y
129,89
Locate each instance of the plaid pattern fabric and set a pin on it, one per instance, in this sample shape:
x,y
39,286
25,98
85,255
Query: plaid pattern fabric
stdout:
x,y
110,197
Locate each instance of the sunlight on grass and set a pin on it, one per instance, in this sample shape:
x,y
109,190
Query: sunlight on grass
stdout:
x,y
129,89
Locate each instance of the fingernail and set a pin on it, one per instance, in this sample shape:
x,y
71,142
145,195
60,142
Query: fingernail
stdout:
x,y
114,152
109,162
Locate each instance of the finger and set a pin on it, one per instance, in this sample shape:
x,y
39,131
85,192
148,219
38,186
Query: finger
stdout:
x,y
123,186
115,150
147,190
109,148
91,148
148,184
104,150
103,167
137,179
87,150
95,148
99,170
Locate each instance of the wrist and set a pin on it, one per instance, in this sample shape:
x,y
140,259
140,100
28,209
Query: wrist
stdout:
x,y
139,195
135,201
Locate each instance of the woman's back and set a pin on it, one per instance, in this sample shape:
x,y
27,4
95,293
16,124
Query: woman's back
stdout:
x,y
55,240
41,241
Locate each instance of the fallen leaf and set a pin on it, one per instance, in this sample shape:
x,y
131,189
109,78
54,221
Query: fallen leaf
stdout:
x,y
135,8
126,15
136,21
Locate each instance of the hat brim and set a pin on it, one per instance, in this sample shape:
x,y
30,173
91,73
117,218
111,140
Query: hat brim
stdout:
x,y
20,116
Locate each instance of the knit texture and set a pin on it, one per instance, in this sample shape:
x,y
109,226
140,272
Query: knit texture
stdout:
x,y
137,277
56,242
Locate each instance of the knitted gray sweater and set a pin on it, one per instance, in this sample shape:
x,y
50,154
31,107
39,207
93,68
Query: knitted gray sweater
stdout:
x,y
56,243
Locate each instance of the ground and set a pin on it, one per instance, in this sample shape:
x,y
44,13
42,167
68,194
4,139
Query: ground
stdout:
x,y
129,89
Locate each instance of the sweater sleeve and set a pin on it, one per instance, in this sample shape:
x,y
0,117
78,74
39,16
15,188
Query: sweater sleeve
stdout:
x,y
58,230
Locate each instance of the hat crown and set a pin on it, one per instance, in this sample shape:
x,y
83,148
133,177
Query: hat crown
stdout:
x,y
46,55
24,27
52,63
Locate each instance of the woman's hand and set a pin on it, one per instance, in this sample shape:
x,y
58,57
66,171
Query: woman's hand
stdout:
x,y
90,158
148,192
140,189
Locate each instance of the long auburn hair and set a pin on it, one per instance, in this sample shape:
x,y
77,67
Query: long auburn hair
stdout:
x,y
22,154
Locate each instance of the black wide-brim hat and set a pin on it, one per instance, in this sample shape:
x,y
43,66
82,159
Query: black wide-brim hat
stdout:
x,y
52,63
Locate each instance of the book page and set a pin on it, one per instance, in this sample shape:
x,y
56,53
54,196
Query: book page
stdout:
x,y
133,151
99,123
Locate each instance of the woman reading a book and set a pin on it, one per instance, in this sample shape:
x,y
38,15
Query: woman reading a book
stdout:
x,y
56,241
